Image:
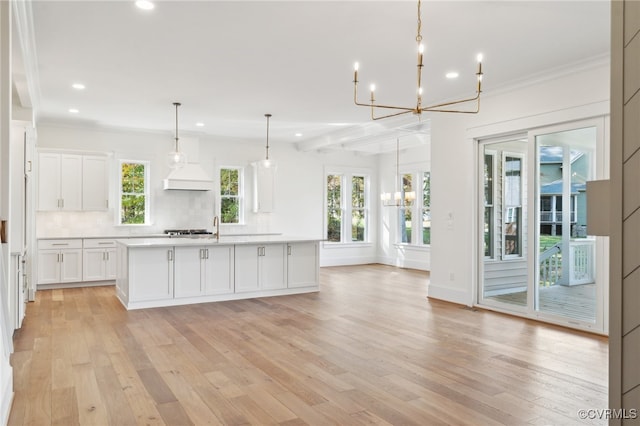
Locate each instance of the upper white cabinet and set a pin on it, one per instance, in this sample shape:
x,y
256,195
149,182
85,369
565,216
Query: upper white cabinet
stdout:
x,y
263,188
72,182
95,187
59,181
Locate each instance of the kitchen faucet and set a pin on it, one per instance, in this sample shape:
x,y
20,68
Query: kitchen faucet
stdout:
x,y
216,223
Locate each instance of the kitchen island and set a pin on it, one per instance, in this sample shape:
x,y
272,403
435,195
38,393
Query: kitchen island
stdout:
x,y
153,272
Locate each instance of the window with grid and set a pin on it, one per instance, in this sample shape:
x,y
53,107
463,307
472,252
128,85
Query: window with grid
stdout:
x,y
231,195
134,193
347,207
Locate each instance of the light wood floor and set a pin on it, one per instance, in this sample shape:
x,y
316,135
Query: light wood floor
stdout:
x,y
576,302
369,348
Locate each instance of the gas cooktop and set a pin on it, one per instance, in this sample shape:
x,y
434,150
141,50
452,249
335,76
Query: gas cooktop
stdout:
x,y
172,232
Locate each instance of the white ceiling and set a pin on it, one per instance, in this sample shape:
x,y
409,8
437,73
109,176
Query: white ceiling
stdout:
x,y
229,63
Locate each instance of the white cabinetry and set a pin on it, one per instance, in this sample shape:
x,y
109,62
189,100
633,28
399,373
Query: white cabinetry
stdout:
x,y
99,260
72,182
59,261
151,269
95,188
302,264
203,270
59,181
260,267
263,188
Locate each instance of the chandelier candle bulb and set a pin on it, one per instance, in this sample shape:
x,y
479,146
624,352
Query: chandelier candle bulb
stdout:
x,y
472,102
355,72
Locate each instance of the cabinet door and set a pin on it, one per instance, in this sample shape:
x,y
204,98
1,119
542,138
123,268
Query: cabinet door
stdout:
x,y
95,190
93,264
48,181
187,273
246,268
218,269
302,264
71,265
71,181
150,273
111,264
272,264
48,266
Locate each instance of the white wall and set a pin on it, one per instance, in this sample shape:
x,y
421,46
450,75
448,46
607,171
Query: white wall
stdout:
x,y
579,94
299,187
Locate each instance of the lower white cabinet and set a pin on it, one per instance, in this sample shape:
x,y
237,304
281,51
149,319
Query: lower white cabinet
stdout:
x,y
260,267
98,260
302,264
59,261
203,270
151,273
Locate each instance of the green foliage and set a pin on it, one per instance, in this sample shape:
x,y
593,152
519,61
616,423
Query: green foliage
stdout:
x,y
229,195
133,201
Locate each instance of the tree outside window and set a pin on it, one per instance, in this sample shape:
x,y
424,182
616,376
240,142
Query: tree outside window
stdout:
x,y
426,208
334,211
347,207
230,195
133,193
406,212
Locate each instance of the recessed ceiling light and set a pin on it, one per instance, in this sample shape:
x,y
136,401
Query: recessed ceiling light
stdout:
x,y
74,110
78,86
298,135
200,124
452,74
145,5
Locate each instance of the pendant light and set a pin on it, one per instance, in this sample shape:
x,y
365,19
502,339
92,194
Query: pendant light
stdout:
x,y
398,200
267,162
176,159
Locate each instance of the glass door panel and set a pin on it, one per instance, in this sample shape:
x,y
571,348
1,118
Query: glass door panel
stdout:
x,y
504,265
566,284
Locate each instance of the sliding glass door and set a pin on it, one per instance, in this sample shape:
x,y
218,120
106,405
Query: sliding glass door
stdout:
x,y
536,257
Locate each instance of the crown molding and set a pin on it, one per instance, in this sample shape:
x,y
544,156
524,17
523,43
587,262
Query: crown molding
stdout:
x,y
23,22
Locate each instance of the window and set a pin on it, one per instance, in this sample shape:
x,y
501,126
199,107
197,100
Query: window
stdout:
x,y
231,195
415,232
488,205
426,208
334,212
512,220
347,207
134,193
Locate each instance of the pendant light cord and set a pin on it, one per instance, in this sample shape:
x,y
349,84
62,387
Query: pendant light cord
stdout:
x,y
177,104
267,147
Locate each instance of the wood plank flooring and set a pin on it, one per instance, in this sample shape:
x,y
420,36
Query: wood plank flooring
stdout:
x,y
369,348
575,302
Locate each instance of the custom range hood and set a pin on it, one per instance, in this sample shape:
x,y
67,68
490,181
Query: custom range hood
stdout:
x,y
190,176
186,176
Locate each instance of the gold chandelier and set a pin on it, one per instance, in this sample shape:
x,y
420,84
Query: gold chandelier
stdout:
x,y
419,108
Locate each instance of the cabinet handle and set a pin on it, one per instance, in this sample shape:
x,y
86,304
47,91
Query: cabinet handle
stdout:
x,y
289,250
103,258
62,257
106,203
107,253
201,253
206,253
60,244
59,203
105,242
169,255
62,202
29,165
58,258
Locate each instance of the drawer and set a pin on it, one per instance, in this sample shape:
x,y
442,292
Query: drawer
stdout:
x,y
59,244
98,243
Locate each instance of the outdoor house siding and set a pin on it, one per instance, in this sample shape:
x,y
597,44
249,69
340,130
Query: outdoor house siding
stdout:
x,y
506,275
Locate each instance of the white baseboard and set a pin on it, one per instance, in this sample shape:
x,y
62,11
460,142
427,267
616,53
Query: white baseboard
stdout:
x,y
346,261
7,398
448,294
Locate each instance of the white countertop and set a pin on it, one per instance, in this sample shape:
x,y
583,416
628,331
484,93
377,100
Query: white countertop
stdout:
x,y
209,240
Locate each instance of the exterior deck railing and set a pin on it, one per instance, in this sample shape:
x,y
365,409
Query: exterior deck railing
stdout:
x,y
581,263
